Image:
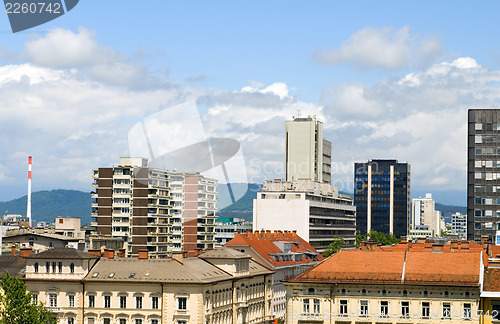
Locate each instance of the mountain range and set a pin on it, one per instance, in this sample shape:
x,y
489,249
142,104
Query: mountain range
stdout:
x,y
46,205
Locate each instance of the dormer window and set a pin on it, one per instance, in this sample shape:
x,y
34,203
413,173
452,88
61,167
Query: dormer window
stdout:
x,y
36,266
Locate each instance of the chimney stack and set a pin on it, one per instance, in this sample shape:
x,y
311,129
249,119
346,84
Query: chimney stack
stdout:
x,y
25,252
13,250
110,254
143,255
121,253
96,252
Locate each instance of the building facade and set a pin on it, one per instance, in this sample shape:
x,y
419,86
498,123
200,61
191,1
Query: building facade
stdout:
x,y
388,287
424,213
221,286
316,211
284,252
483,175
308,154
382,196
459,225
155,210
227,228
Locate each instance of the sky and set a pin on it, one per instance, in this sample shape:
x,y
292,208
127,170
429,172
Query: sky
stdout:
x,y
389,79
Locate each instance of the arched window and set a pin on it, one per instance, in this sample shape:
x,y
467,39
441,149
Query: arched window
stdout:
x,y
36,266
72,268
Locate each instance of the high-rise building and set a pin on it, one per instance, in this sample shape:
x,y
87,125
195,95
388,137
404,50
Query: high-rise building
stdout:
x,y
424,213
483,174
382,196
155,210
308,154
315,210
459,225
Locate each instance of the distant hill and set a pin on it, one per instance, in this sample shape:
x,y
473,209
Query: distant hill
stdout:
x,y
46,205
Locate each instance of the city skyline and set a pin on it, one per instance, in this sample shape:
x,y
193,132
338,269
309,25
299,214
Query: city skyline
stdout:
x,y
73,86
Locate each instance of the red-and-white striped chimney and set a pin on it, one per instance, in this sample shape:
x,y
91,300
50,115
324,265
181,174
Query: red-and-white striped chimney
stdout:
x,y
28,208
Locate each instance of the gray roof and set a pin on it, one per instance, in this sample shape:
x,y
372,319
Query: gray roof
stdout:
x,y
224,253
63,253
191,270
48,235
12,264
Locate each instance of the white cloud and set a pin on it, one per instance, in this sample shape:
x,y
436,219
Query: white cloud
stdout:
x,y
387,48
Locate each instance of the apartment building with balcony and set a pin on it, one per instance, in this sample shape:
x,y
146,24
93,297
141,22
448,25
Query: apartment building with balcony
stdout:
x,y
155,210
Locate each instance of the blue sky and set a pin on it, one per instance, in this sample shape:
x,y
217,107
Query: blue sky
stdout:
x,y
390,79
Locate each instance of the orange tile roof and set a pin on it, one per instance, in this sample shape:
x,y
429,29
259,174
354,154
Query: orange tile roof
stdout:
x,y
263,244
379,267
492,280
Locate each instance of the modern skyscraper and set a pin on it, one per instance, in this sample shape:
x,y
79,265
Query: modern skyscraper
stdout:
x,y
483,174
308,155
155,210
424,213
382,196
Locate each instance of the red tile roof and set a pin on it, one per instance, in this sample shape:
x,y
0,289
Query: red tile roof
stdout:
x,y
492,280
379,267
263,244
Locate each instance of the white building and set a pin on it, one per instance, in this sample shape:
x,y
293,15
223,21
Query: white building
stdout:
x,y
308,155
225,231
459,225
316,211
423,211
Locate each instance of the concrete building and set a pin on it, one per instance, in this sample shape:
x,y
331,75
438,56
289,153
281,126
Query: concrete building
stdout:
x,y
316,211
483,173
388,287
40,240
221,286
69,226
308,154
382,196
227,228
423,212
459,225
284,252
156,210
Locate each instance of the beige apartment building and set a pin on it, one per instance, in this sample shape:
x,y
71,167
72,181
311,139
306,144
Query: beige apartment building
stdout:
x,y
356,286
156,210
220,286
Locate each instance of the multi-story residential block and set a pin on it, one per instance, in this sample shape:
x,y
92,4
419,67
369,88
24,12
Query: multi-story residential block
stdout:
x,y
308,154
284,252
40,239
483,173
155,210
315,210
382,196
388,287
459,225
423,212
221,286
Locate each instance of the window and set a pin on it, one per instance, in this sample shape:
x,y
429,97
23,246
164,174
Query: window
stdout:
x,y
154,321
53,267
316,306
72,268
71,300
138,302
34,299
384,307
154,302
364,307
123,301
138,321
426,309
305,306
107,301
107,321
71,320
405,308
123,321
91,301
467,314
36,266
47,267
446,310
182,303
343,307
59,266
52,300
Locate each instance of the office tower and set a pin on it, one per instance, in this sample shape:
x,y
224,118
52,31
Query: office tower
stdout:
x,y
155,210
424,214
459,225
315,210
382,196
483,174
308,155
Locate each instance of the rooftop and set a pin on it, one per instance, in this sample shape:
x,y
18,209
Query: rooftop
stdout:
x,y
63,253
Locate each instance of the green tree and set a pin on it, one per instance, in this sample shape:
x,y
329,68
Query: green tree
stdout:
x,y
334,247
17,307
377,237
